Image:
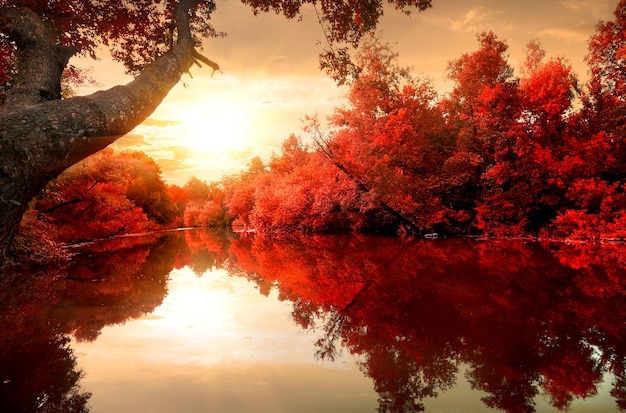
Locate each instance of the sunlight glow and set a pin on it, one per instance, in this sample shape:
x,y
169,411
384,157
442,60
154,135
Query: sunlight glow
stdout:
x,y
184,311
212,128
214,340
205,320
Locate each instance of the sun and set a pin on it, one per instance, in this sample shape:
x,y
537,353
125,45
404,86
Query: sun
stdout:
x,y
209,127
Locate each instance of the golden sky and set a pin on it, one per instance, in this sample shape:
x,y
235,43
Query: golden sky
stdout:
x,y
212,126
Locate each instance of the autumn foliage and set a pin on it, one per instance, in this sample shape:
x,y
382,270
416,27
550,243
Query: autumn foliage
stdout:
x,y
106,195
534,154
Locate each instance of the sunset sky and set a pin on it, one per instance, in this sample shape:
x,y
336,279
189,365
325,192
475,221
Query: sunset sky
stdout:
x,y
212,126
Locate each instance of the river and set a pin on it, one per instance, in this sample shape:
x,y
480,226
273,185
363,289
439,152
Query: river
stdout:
x,y
198,321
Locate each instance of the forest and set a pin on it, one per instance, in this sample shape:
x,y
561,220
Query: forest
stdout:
x,y
506,153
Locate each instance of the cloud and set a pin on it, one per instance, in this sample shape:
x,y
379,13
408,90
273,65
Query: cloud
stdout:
x,y
571,34
160,122
578,5
592,8
480,19
130,141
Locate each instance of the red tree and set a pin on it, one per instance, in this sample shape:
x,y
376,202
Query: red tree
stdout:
x,y
526,185
94,198
390,140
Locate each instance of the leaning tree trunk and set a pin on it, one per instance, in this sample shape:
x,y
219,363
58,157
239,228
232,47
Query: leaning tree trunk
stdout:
x,y
42,135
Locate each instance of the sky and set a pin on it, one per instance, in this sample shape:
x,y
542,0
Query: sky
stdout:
x,y
211,126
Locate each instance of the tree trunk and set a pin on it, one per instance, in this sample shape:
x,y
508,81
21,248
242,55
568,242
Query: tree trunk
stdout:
x,y
42,135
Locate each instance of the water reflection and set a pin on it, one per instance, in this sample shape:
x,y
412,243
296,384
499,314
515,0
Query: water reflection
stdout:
x,y
39,311
525,319
515,321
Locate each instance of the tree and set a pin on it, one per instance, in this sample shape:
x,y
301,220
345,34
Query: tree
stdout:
x,y
94,198
197,190
525,186
147,189
605,100
41,134
389,138
607,49
483,104
482,101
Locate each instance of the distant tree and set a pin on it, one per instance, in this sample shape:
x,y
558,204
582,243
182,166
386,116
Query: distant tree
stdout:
x,y
241,201
255,166
211,214
106,194
293,153
197,190
147,189
179,198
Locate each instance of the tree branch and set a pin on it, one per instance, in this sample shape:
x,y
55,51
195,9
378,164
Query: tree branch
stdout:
x,y
197,56
55,135
61,205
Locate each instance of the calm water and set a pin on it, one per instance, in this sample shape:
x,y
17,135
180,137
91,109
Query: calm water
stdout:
x,y
202,322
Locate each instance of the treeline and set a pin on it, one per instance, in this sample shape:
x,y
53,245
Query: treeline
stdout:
x,y
116,193
503,154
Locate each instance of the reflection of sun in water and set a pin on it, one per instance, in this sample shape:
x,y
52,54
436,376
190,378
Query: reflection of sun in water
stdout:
x,y
212,128
196,307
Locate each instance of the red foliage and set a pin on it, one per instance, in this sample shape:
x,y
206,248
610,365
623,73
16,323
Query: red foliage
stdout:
x,y
135,32
606,59
107,194
313,196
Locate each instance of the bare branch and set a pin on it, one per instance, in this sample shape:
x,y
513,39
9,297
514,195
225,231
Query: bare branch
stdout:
x,y
206,61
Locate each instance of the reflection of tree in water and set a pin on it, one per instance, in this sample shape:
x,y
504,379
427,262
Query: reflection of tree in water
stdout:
x,y
526,320
110,285
208,250
40,375
38,370
107,283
